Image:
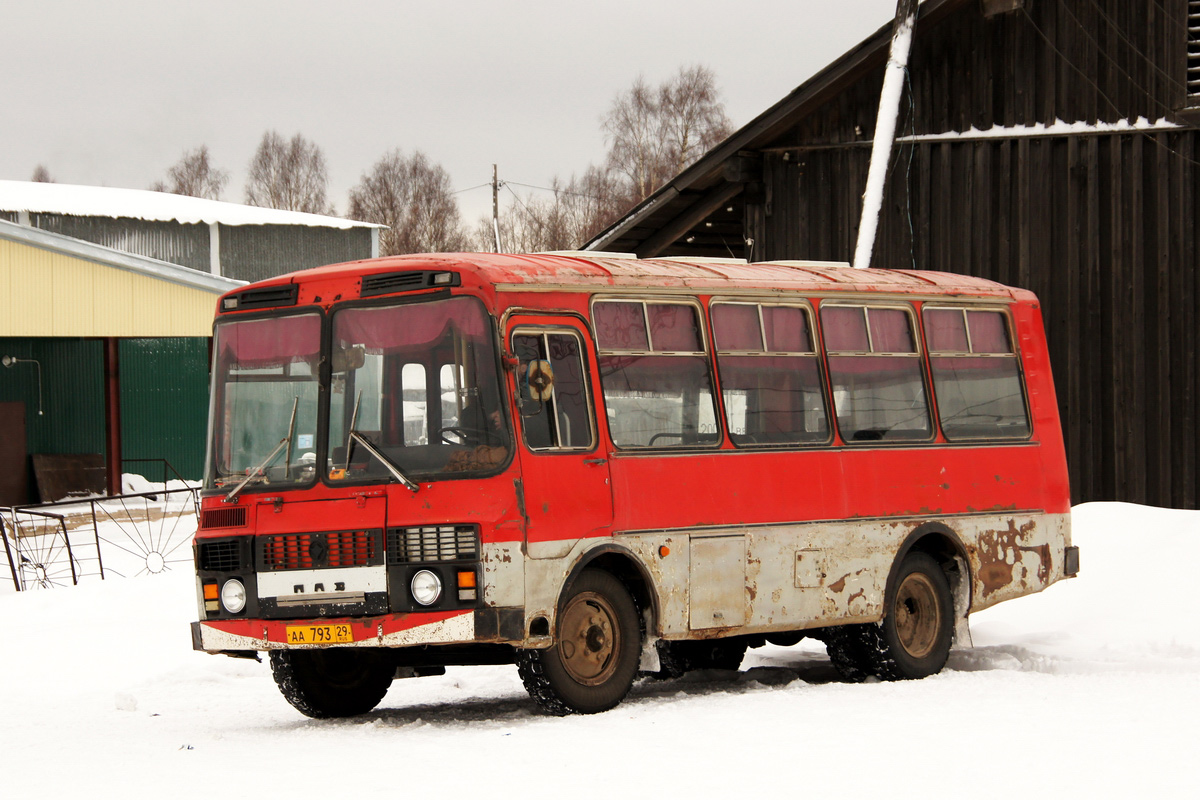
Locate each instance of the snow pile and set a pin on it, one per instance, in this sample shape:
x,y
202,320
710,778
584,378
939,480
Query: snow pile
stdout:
x,y
1088,689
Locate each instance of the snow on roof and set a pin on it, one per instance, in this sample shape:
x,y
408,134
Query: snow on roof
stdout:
x,y
1056,128
103,201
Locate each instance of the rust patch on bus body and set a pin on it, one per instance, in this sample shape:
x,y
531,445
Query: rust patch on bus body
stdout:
x,y
1000,552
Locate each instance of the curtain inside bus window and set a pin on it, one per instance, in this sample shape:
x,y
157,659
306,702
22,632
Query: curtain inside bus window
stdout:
x,y
845,329
674,328
976,377
945,330
879,392
620,326
787,329
989,334
736,327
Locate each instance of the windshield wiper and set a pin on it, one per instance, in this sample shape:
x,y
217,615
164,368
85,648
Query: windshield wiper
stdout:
x,y
285,442
353,437
387,462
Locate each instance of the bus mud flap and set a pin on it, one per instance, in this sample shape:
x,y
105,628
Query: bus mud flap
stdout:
x,y
961,589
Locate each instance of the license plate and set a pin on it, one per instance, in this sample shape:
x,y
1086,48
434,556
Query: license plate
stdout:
x,y
319,634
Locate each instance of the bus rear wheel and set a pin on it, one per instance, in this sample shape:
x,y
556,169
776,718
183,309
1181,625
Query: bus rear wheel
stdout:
x,y
334,682
918,621
913,639
592,664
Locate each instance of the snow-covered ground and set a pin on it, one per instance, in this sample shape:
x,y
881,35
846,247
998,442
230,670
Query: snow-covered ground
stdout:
x,y
1091,689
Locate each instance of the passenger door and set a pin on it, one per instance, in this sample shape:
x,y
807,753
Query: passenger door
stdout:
x,y
564,473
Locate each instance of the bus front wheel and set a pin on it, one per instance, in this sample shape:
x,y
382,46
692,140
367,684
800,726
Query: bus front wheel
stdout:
x,y
334,682
594,659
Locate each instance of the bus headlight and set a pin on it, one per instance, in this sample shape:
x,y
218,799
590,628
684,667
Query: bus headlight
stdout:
x,y
233,596
426,587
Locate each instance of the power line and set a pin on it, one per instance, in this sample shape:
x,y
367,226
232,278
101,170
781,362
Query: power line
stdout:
x,y
1153,139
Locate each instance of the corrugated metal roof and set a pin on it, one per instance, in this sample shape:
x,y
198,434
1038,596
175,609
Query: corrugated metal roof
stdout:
x,y
103,201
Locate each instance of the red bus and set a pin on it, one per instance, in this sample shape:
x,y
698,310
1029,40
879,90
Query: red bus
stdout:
x,y
596,466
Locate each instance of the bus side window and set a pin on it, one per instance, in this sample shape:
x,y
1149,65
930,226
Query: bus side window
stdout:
x,y
876,375
976,374
554,406
654,368
769,373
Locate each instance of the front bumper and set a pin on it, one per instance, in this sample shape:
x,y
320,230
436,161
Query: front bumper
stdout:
x,y
486,625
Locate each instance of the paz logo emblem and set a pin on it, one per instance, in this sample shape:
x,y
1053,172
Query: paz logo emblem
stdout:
x,y
318,550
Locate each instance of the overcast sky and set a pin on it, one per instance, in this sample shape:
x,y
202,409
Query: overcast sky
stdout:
x,y
113,93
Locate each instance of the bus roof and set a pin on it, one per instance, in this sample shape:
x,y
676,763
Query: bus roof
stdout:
x,y
592,272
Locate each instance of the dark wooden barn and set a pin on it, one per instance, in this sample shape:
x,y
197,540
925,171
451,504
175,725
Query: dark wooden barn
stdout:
x,y
1048,144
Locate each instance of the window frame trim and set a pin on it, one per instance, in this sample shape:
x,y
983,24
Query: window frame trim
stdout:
x,y
1014,341
521,329
817,353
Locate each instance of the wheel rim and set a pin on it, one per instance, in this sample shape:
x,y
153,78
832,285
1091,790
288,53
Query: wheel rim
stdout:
x,y
918,615
589,640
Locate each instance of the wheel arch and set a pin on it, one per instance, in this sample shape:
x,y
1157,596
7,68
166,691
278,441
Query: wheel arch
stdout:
x,y
943,545
623,565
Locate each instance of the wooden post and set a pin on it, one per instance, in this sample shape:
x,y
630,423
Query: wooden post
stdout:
x,y
885,130
112,415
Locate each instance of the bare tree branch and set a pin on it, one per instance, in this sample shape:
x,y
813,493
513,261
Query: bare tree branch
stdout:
x,y
290,175
194,175
413,198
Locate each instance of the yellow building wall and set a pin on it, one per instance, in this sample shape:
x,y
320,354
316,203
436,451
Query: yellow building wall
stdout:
x,y
43,293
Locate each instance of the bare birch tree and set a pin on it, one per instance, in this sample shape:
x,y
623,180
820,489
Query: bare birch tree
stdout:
x,y
290,175
412,196
655,133
194,175
572,213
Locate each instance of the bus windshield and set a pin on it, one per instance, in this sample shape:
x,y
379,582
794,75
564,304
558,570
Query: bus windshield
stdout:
x,y
264,409
419,382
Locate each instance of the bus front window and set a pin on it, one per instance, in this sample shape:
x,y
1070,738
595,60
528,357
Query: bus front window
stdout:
x,y
264,404
418,381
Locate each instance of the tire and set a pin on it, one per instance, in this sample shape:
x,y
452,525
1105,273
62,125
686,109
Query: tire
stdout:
x,y
913,639
918,621
853,650
692,655
334,682
594,659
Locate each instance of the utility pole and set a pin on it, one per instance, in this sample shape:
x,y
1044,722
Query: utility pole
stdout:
x,y
885,129
496,208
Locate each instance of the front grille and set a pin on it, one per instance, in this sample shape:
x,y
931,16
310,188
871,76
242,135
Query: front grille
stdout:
x,y
351,548
440,543
287,551
318,550
220,556
234,517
